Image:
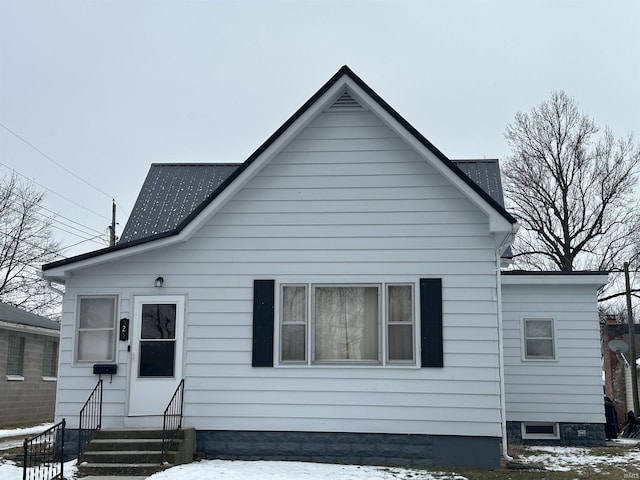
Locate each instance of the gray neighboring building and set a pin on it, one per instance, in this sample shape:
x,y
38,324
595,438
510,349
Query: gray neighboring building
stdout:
x,y
28,367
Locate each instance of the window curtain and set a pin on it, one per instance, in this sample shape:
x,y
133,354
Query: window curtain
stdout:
x,y
96,329
294,323
346,323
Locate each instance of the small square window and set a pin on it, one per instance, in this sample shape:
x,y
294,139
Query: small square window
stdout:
x,y
15,357
539,339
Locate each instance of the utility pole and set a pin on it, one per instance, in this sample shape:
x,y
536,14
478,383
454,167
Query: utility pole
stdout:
x,y
112,227
632,342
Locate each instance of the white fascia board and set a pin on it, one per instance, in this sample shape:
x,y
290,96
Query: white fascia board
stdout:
x,y
552,278
59,274
497,223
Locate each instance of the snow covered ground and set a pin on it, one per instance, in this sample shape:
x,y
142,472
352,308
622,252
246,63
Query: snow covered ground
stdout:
x,y
11,438
228,470
565,459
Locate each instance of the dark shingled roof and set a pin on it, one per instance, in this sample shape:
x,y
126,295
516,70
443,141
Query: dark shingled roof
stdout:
x,y
11,314
486,173
171,192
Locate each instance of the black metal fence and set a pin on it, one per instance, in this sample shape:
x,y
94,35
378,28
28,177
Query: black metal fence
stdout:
x,y
172,420
90,417
44,454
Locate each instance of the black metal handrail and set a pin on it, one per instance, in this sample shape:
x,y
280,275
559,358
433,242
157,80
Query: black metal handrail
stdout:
x,y
172,421
90,417
43,457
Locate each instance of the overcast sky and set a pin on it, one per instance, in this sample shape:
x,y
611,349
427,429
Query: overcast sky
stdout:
x,y
93,92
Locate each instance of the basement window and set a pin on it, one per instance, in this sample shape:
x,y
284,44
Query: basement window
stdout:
x,y
540,431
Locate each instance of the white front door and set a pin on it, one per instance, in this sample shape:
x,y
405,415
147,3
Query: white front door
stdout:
x,y
156,353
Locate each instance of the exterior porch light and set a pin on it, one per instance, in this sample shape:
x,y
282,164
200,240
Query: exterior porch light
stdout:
x,y
159,281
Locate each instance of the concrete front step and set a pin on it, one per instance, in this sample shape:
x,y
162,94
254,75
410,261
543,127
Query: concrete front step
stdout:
x,y
133,452
131,456
131,433
121,469
128,444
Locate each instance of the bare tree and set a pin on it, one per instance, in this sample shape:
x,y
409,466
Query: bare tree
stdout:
x,y
26,242
571,186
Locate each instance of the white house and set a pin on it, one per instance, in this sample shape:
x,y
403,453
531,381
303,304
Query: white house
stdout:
x,y
339,297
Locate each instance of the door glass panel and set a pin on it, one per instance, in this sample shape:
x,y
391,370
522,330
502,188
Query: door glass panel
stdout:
x,y
158,321
157,340
156,359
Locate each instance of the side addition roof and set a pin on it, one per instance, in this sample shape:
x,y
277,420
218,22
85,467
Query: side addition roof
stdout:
x,y
17,316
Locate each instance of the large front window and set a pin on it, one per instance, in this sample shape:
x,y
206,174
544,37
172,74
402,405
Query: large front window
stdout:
x,y
96,329
346,323
333,323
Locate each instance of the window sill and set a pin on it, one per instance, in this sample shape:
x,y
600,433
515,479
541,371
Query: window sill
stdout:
x,y
49,379
15,378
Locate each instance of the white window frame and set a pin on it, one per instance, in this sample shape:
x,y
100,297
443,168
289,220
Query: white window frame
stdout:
x,y
312,344
412,323
306,322
553,338
113,328
540,436
382,325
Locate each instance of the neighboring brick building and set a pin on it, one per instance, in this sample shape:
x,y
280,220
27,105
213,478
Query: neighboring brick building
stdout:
x,y
617,377
28,367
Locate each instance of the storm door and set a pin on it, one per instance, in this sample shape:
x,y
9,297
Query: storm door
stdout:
x,y
156,353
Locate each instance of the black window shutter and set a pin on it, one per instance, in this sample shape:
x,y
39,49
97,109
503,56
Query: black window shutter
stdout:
x,y
263,311
431,322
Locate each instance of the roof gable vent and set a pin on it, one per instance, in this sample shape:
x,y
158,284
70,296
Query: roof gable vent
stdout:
x,y
346,103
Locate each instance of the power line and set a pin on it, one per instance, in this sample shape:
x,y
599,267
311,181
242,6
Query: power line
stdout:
x,y
50,220
53,161
55,193
44,250
22,139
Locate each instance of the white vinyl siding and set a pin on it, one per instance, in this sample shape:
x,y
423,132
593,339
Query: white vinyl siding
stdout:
x,y
568,389
347,202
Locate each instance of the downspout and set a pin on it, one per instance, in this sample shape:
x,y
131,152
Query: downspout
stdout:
x,y
503,405
54,289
